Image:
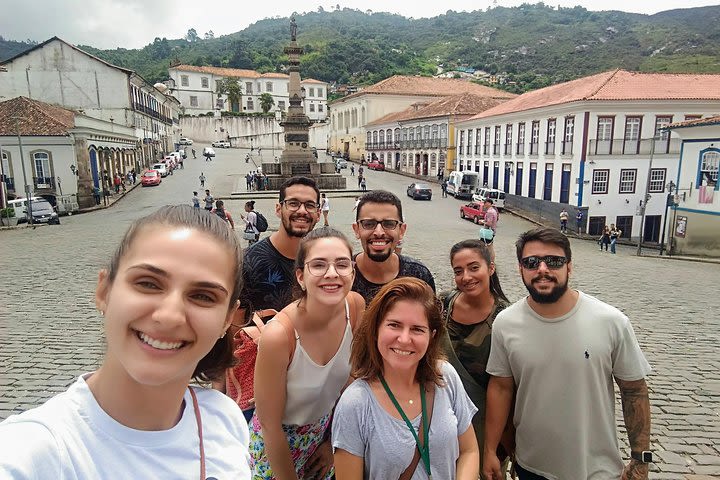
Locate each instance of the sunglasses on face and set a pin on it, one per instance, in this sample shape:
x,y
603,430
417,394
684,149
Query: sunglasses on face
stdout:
x,y
553,262
371,224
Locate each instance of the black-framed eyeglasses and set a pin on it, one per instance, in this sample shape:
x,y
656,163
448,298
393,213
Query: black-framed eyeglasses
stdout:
x,y
294,205
344,267
371,224
553,262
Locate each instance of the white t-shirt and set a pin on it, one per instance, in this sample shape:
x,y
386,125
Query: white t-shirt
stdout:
x,y
563,369
71,437
325,204
251,222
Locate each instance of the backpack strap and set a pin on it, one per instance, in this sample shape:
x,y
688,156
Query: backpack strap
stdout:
x,y
353,306
292,335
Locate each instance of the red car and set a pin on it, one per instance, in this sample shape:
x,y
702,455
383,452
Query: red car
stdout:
x,y
376,165
151,177
473,211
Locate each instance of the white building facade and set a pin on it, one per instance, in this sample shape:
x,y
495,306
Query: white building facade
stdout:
x,y
588,144
197,90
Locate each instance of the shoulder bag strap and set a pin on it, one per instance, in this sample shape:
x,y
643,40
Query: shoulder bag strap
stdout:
x,y
285,321
410,470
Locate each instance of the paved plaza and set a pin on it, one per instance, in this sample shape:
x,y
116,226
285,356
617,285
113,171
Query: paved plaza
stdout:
x,y
50,331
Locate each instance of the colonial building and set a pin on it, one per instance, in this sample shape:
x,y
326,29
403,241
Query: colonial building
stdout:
x,y
588,144
197,89
350,115
415,140
55,151
695,223
59,73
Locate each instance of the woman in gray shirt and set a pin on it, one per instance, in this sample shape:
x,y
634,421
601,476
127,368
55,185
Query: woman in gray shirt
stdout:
x,y
407,415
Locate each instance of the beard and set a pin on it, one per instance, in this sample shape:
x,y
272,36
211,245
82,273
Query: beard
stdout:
x,y
550,297
298,232
376,256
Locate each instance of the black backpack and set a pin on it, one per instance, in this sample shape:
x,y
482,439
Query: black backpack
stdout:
x,y
261,222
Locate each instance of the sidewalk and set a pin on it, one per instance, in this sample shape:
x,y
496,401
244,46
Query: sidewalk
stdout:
x,y
111,199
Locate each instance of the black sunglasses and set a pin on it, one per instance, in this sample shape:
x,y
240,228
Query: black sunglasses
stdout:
x,y
553,262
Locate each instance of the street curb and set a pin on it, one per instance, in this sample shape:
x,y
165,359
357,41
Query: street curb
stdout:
x,y
116,199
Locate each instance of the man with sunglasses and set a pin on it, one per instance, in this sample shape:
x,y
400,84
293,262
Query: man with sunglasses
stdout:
x,y
379,227
560,350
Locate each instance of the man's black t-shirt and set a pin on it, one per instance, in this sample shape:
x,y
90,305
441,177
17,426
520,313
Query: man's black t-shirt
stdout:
x,y
268,278
409,267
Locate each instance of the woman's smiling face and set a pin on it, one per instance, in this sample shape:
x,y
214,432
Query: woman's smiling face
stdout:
x,y
403,336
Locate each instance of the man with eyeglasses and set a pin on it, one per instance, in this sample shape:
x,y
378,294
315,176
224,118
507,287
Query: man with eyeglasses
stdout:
x,y
379,227
268,265
560,349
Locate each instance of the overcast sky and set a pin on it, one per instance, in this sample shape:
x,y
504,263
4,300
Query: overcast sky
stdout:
x,y
135,23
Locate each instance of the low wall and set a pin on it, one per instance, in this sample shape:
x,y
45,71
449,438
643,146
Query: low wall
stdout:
x,y
545,212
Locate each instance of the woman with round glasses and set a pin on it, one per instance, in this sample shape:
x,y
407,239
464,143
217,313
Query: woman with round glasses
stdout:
x,y
469,312
303,363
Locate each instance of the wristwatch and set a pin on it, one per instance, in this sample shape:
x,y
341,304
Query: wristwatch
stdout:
x,y
645,456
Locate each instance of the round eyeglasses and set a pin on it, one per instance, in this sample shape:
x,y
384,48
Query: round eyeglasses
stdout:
x,y
344,267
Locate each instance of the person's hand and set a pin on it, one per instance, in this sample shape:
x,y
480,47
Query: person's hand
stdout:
x,y
320,462
491,466
635,470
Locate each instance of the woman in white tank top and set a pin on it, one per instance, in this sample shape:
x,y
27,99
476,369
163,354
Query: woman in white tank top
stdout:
x,y
303,363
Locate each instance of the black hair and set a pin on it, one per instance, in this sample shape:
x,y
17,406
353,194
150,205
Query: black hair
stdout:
x,y
194,193
220,357
250,204
481,248
308,182
543,235
379,196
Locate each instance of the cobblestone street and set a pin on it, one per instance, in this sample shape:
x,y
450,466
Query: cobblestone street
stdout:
x,y
50,331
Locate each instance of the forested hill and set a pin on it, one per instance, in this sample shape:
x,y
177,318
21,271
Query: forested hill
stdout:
x,y
534,44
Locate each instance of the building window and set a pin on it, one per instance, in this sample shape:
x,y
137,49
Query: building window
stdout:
x,y
312,91
508,139
184,81
486,145
281,105
657,180
627,180
248,88
41,162
662,142
268,87
496,143
708,173
443,135
535,137
550,139
603,139
692,117
461,142
193,101
204,82
312,107
321,108
250,104
217,85
631,140
567,148
320,92
521,139
478,140
600,181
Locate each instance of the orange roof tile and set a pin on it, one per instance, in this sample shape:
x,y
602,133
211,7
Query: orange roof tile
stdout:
x,y
311,80
35,118
275,75
615,85
464,104
221,71
428,86
699,122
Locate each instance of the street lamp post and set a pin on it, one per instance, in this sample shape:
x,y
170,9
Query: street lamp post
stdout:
x,y
643,205
28,194
670,200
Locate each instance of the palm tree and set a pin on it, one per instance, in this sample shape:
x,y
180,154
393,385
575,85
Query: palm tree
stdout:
x,y
231,87
266,102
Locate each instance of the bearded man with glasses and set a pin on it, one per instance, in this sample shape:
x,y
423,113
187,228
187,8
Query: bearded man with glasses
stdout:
x,y
379,227
560,350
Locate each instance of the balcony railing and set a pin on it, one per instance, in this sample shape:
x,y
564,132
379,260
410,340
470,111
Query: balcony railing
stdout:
x,y
520,150
9,182
534,149
508,149
549,148
44,183
634,147
567,148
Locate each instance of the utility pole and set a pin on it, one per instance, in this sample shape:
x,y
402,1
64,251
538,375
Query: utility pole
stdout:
x,y
28,193
643,206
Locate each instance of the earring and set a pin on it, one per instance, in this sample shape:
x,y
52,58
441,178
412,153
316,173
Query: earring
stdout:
x,y
102,313
223,335
302,287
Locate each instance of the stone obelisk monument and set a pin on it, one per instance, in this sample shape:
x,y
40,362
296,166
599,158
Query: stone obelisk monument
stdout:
x,y
297,157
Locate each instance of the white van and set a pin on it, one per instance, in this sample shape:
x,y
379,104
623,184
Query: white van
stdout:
x,y
497,196
462,184
42,211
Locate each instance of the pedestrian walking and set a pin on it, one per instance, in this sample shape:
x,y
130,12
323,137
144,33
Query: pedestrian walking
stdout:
x,y
248,181
443,187
558,352
195,200
209,200
615,233
563,220
400,372
363,185
578,221
165,312
221,212
325,208
352,170
489,226
359,179
202,179
117,181
251,232
193,152
295,396
96,195
605,238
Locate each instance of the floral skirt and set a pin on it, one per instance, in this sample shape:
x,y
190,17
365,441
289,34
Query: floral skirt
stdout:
x,y
303,440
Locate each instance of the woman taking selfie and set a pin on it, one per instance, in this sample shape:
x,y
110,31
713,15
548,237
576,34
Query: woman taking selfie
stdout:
x,y
165,314
469,312
303,363
407,416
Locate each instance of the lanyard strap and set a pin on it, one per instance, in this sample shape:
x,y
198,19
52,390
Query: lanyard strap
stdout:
x,y
196,407
424,423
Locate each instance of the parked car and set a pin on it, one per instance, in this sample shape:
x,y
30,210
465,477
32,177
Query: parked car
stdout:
x,y
341,162
221,144
419,190
473,211
151,177
161,168
376,165
185,141
497,196
208,152
42,212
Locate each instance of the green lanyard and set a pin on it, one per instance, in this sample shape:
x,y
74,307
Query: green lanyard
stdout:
x,y
424,450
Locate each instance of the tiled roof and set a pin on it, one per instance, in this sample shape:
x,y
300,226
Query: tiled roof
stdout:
x,y
311,80
35,118
228,72
464,104
428,86
615,85
700,122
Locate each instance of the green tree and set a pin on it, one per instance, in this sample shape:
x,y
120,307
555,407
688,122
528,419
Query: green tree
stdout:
x,y
231,87
266,102
192,36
